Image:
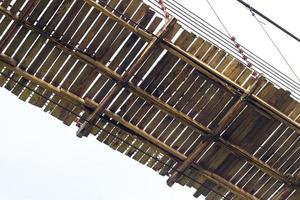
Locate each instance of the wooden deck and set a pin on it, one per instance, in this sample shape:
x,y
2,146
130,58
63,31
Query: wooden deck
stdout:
x,y
154,92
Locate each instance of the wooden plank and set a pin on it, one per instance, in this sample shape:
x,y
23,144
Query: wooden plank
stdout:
x,y
26,61
171,81
244,76
286,163
143,16
130,49
217,59
106,26
13,30
10,50
213,107
50,75
167,61
224,63
41,23
115,30
74,73
210,54
152,58
32,70
55,53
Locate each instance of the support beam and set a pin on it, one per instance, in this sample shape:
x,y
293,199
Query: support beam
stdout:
x,y
86,128
202,67
185,119
78,101
10,64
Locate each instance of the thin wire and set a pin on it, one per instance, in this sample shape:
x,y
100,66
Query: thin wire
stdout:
x,y
236,44
116,136
275,45
218,18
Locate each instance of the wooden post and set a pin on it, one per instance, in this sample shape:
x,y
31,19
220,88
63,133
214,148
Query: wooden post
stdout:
x,y
86,127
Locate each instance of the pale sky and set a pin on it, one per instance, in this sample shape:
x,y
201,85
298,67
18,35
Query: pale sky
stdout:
x,y
40,158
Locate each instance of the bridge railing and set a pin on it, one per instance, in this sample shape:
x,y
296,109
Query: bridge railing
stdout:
x,y
201,27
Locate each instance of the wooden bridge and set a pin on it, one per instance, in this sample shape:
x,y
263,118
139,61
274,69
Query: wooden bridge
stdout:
x,y
154,92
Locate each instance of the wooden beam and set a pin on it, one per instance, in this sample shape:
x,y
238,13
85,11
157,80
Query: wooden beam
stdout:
x,y
202,67
78,101
185,119
86,128
10,64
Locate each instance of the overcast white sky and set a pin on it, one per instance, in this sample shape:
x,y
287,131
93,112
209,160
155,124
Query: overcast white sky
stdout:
x,y
40,158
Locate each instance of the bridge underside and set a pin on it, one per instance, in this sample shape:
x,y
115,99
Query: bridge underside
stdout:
x,y
154,92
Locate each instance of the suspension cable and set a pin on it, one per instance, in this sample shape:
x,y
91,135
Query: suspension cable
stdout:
x,y
275,45
216,14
